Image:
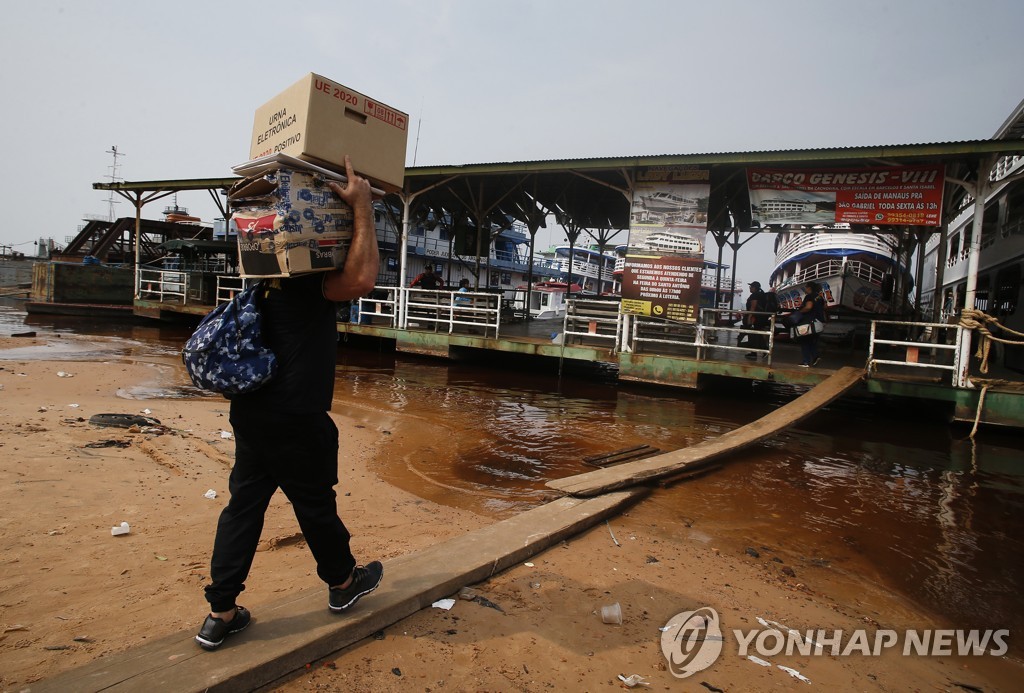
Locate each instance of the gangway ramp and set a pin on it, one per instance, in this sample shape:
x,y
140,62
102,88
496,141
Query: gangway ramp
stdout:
x,y
288,634
660,466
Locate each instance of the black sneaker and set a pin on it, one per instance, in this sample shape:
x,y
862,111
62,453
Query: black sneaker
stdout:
x,y
364,580
214,630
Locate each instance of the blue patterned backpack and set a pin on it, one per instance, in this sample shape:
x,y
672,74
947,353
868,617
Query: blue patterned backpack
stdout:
x,y
226,353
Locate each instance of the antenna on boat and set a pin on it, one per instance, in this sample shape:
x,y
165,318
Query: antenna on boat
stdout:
x,y
113,178
419,122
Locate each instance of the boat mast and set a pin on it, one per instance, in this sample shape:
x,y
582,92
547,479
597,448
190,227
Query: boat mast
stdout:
x,y
113,178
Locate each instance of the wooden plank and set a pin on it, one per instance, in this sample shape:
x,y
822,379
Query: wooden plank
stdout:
x,y
621,456
288,634
652,468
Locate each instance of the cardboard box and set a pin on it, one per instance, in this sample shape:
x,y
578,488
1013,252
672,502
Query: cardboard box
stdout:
x,y
320,121
289,222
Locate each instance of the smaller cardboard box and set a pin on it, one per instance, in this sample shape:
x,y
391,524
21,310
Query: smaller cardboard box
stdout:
x,y
320,121
289,222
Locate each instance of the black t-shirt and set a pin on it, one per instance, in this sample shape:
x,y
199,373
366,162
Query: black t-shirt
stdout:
x,y
300,326
426,281
817,308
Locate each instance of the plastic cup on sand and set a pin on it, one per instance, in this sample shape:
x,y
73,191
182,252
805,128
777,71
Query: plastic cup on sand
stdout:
x,y
612,614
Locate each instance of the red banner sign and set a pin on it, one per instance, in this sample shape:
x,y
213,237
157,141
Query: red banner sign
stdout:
x,y
890,195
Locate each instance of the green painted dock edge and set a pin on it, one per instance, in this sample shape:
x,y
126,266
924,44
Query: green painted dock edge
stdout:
x,y
1002,407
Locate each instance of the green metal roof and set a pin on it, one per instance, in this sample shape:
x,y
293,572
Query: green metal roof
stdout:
x,y
169,185
874,154
591,193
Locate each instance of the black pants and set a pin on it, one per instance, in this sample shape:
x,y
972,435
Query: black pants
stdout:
x,y
299,455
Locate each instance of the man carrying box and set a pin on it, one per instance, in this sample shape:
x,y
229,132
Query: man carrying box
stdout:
x,y
285,438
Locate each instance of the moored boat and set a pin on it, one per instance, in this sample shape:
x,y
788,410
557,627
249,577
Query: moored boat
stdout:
x,y
860,272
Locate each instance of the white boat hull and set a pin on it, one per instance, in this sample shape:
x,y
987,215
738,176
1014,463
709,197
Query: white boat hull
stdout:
x,y
848,292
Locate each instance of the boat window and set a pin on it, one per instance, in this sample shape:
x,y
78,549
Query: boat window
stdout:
x,y
1014,210
990,225
1007,290
981,296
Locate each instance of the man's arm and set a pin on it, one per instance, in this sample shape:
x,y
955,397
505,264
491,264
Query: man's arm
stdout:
x,y
359,274
752,305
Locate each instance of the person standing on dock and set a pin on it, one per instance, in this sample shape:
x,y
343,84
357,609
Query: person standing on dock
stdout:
x,y
427,279
463,289
812,308
285,438
755,303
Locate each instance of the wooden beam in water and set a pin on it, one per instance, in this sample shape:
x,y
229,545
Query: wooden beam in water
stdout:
x,y
287,635
672,463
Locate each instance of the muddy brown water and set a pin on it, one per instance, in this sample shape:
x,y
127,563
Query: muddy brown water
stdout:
x,y
876,491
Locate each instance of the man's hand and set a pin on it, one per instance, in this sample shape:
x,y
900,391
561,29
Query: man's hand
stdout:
x,y
356,193
360,272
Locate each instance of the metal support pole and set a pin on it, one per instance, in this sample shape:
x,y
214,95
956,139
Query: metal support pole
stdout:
x,y
980,192
403,235
732,275
138,243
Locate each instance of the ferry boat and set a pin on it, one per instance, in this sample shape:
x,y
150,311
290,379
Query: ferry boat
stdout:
x,y
504,269
999,291
547,301
860,272
591,269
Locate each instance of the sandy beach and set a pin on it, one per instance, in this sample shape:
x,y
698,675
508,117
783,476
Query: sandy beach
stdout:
x,y
71,592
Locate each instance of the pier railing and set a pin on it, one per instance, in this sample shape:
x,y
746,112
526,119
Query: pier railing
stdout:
x,y
228,285
593,320
447,311
714,329
381,307
718,325
165,286
670,335
913,341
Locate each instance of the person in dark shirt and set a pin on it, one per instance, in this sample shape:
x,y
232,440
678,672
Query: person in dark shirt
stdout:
x,y
812,308
427,279
285,438
755,303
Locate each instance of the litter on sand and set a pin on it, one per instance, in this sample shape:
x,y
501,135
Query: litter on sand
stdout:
x,y
758,661
445,604
794,673
226,435
633,680
211,494
120,529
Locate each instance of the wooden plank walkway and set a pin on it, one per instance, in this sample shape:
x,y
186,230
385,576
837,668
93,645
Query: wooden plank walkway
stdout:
x,y
288,634
653,468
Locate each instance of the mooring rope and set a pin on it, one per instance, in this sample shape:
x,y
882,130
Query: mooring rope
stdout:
x,y
973,319
977,414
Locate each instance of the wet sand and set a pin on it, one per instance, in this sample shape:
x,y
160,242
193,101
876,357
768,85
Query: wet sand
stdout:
x,y
71,592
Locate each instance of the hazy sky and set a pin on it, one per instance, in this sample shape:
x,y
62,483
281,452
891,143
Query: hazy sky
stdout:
x,y
174,85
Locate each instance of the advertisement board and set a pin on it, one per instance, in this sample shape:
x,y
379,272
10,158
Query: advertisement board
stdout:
x,y
665,253
883,195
